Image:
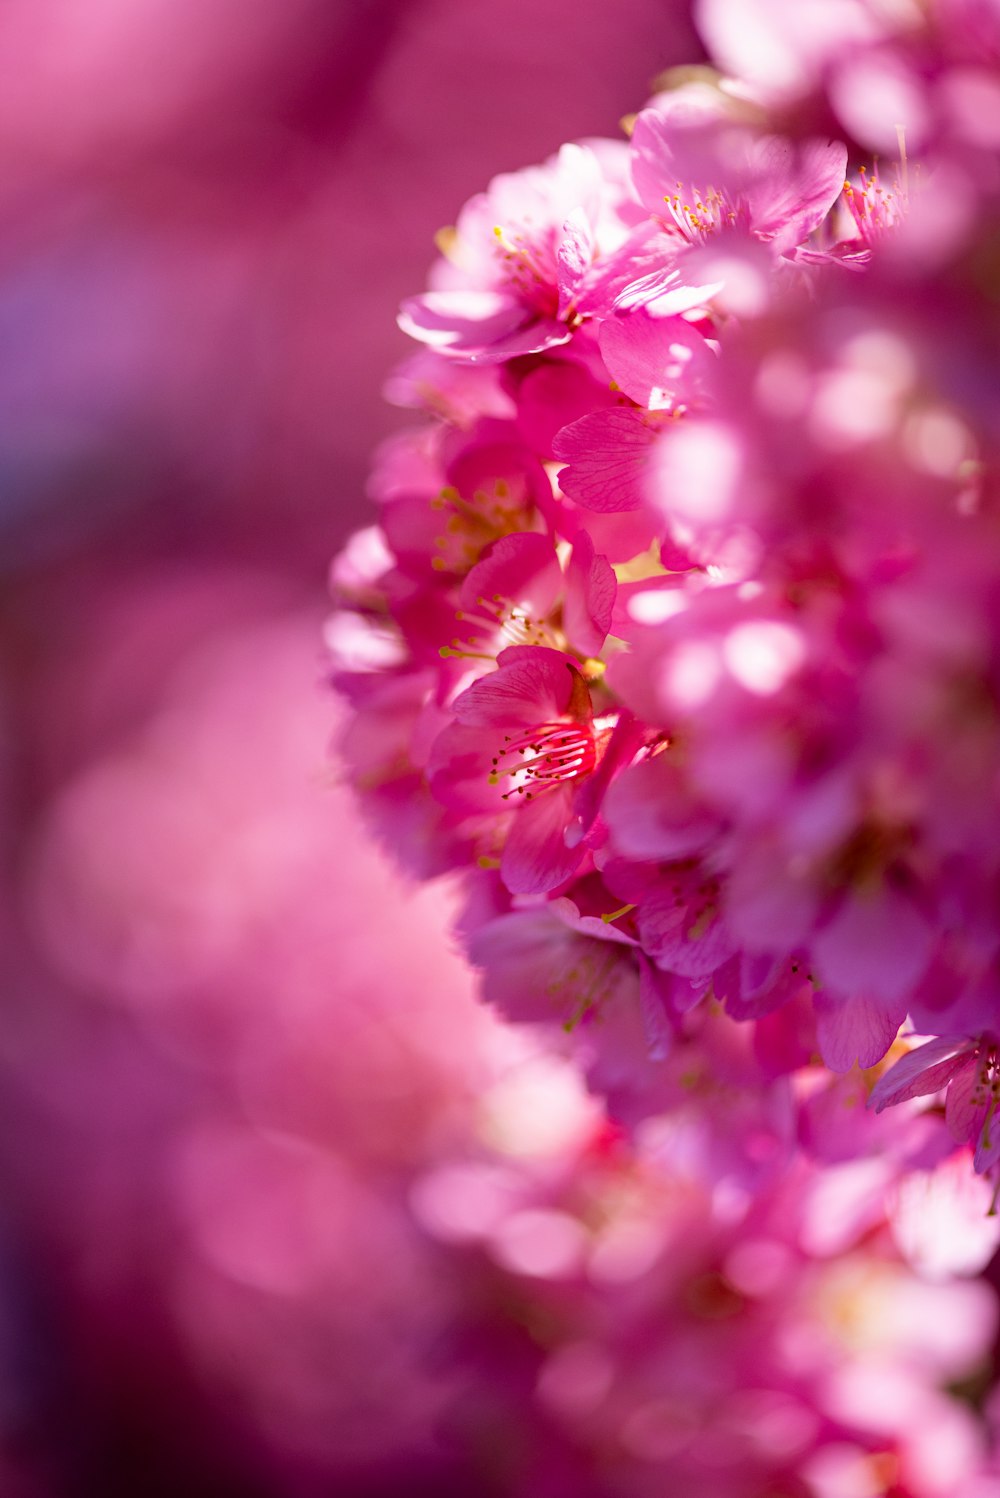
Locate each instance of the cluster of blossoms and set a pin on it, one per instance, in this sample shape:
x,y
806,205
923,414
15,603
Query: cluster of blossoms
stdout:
x,y
643,1331
678,635
396,1247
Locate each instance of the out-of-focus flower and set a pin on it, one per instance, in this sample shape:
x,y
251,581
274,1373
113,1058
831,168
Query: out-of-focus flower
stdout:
x,y
386,1227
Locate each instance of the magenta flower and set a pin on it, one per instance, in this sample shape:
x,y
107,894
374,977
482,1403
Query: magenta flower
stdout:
x,y
764,186
731,198
524,740
518,594
529,258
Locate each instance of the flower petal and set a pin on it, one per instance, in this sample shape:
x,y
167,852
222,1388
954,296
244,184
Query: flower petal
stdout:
x,y
607,453
922,1071
535,858
531,684
657,361
590,597
859,1029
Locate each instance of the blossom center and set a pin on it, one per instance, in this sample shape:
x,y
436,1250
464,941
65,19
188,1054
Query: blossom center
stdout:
x,y
527,269
698,215
876,210
495,510
509,624
543,757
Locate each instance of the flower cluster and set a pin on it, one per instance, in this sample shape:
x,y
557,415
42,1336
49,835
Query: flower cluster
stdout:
x,y
375,1175
669,1336
678,635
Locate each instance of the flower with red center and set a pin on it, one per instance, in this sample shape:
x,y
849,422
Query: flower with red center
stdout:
x,y
524,736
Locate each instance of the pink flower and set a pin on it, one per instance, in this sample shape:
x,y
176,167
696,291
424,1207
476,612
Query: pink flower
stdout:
x,y
731,198
518,594
766,186
446,496
529,258
524,738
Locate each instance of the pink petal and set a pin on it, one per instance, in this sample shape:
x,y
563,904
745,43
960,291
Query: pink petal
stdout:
x,y
575,252
521,568
607,453
482,326
763,984
965,1117
988,1145
555,394
459,320
738,265
785,1039
533,338
877,942
665,293
653,815
769,908
657,361
535,858
590,597
654,998
797,185
531,685
458,770
626,739
636,258
619,537
526,958
858,1029
685,139
923,1071
688,938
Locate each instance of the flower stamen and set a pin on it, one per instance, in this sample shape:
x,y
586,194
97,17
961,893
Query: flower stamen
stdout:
x,y
543,757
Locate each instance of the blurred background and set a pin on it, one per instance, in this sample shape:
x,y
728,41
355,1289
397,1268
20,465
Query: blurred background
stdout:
x,y
282,1210
230,1042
